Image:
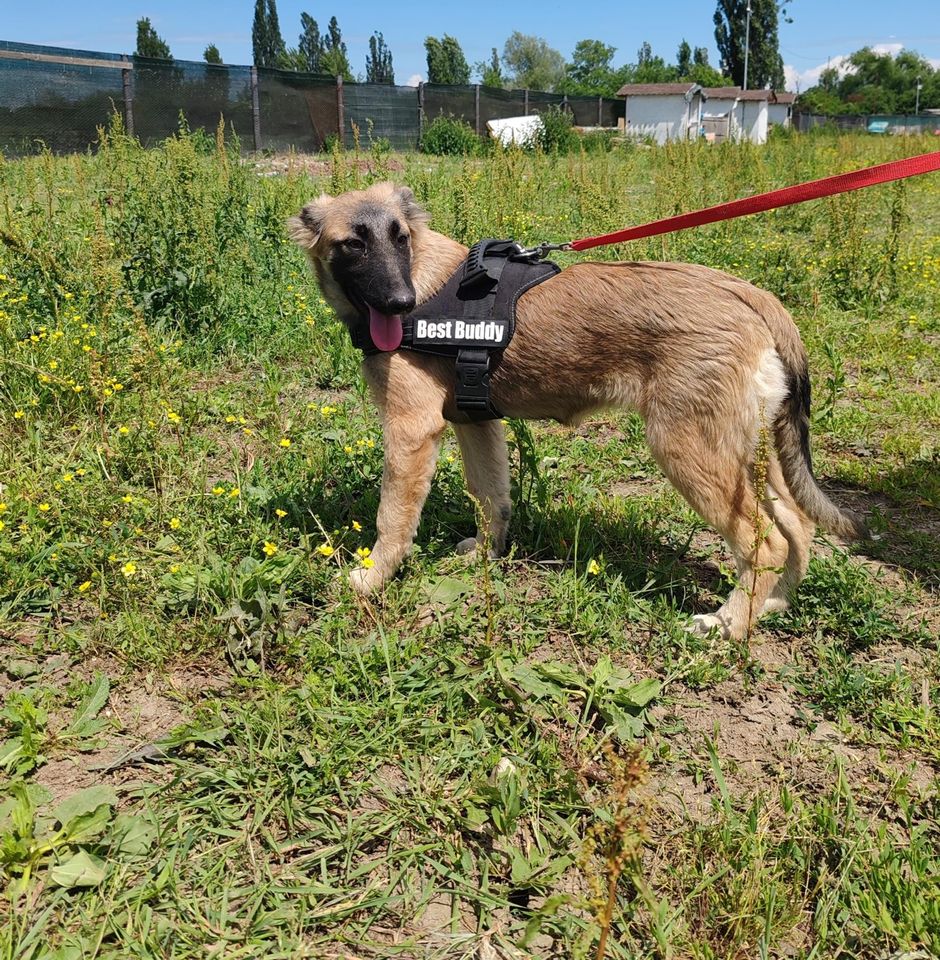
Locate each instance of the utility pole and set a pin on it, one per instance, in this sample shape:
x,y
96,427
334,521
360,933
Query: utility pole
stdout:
x,y
747,41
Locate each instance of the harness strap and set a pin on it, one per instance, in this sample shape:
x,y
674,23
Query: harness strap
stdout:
x,y
472,387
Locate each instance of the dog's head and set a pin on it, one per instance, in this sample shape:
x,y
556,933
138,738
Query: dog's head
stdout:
x,y
361,245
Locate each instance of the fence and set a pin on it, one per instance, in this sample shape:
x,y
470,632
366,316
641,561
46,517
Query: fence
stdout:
x,y
58,98
889,123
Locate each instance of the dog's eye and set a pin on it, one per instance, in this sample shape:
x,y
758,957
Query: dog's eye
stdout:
x,y
354,243
402,239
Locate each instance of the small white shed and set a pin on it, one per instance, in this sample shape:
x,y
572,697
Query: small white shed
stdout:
x,y
780,109
751,115
662,111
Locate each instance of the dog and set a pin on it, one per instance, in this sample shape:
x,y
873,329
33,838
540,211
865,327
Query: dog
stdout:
x,y
714,365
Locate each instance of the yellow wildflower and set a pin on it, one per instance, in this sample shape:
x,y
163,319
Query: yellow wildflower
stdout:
x,y
175,523
593,568
363,552
357,526
218,491
280,514
44,507
235,492
269,548
82,587
325,549
129,569
285,443
368,563
123,429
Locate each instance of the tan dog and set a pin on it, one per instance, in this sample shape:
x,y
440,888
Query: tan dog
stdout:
x,y
707,359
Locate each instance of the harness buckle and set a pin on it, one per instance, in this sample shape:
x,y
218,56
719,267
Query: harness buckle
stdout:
x,y
472,389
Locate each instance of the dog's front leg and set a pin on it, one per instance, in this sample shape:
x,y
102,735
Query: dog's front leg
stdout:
x,y
413,426
486,467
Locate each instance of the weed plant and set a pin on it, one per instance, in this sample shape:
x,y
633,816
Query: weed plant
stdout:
x,y
209,745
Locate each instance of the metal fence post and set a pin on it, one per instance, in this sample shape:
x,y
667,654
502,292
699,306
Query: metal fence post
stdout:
x,y
525,101
420,111
476,107
255,108
340,112
564,102
600,111
127,84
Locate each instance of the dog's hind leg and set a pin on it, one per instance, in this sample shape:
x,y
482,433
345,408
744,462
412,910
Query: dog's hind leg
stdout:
x,y
486,467
720,489
798,530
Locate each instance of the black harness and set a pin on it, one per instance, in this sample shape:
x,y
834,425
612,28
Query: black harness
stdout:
x,y
472,318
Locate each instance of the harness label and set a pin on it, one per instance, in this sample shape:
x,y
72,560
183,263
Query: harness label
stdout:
x,y
482,333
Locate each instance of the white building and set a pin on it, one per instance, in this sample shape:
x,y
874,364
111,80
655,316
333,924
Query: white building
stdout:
x,y
683,111
780,108
662,111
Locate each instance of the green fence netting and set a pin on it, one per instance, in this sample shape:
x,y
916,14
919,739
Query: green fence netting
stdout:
x,y
58,98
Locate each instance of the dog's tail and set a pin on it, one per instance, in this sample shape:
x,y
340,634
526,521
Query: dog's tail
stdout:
x,y
791,432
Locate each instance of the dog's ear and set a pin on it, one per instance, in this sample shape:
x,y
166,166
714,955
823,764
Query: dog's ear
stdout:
x,y
306,227
414,213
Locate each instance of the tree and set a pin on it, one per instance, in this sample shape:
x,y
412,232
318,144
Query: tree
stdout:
x,y
267,44
491,74
310,46
869,82
333,59
446,62
652,69
534,64
211,54
149,43
379,61
765,65
684,59
700,57
590,72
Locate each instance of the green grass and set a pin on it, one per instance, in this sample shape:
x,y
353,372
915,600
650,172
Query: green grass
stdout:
x,y
211,747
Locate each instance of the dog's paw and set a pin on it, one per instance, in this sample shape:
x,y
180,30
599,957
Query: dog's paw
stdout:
x,y
471,548
775,605
364,581
703,623
467,546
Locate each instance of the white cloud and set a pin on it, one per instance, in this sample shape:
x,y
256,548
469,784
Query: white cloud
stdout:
x,y
414,80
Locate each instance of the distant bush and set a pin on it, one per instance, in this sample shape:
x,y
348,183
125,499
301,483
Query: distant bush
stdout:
x,y
448,136
556,134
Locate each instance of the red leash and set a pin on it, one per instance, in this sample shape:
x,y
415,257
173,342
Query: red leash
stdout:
x,y
813,190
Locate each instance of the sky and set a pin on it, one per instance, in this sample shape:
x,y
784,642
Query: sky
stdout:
x,y
822,31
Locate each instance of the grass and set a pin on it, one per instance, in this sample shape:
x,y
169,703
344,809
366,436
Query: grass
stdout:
x,y
211,747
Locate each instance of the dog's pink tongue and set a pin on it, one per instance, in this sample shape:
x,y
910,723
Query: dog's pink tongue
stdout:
x,y
385,329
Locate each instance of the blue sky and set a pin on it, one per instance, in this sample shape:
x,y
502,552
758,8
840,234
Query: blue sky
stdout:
x,y
822,30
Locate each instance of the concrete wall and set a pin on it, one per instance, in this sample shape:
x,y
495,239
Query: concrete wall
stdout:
x,y
778,114
661,117
754,120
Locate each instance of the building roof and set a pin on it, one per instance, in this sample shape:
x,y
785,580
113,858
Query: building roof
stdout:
x,y
722,93
656,89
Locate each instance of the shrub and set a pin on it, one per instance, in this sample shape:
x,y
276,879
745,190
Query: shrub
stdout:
x,y
448,136
556,134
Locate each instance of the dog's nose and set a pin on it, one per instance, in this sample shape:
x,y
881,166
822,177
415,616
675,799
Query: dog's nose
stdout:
x,y
401,303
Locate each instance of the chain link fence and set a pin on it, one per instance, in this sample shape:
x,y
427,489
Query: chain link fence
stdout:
x,y
57,98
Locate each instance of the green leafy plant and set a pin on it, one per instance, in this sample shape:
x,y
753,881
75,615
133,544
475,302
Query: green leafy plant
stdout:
x,y
450,137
